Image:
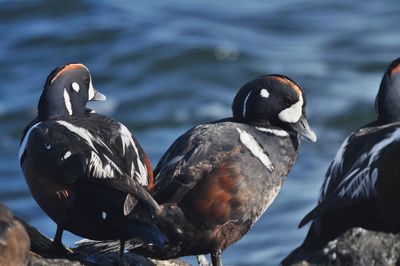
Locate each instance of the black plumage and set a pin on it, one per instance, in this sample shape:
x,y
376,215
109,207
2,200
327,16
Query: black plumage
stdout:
x,y
217,179
361,187
86,170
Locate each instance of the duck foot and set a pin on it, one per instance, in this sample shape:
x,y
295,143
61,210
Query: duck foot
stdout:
x,y
57,248
216,258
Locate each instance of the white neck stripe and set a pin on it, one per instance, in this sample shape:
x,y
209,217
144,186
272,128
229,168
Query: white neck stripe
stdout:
x,y
276,132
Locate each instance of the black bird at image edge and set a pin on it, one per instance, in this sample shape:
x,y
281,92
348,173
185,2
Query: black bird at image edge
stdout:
x,y
362,185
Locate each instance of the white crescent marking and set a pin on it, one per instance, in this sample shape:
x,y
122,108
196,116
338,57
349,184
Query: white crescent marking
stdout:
x,y
67,102
244,104
25,140
91,90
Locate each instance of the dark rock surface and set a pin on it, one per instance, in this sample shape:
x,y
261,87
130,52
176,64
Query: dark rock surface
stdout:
x,y
85,255
358,246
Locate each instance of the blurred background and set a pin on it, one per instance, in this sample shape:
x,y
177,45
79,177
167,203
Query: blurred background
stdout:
x,y
169,65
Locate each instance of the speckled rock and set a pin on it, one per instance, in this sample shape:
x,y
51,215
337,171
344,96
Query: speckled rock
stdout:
x,y
358,246
84,255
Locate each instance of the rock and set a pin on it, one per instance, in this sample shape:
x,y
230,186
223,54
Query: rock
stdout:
x,y
358,246
84,255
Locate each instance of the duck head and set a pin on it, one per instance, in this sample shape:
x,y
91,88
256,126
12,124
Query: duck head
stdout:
x,y
66,92
273,100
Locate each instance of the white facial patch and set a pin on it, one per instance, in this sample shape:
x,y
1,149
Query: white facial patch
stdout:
x,y
75,86
67,102
293,113
25,140
251,144
264,93
91,90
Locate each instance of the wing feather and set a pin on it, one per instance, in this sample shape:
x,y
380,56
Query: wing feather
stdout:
x,y
353,174
98,150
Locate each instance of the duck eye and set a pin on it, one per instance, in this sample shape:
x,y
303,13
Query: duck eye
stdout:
x,y
86,80
287,102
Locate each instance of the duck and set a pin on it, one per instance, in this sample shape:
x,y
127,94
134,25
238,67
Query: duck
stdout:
x,y
217,179
361,186
86,170
14,240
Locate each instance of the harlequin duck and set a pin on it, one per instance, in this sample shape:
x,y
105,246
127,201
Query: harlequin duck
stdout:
x,y
86,170
218,178
14,240
361,187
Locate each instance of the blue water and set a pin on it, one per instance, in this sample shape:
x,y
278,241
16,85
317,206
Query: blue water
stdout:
x,y
166,66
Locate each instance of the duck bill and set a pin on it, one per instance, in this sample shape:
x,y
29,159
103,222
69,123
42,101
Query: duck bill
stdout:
x,y
303,128
98,96
95,95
